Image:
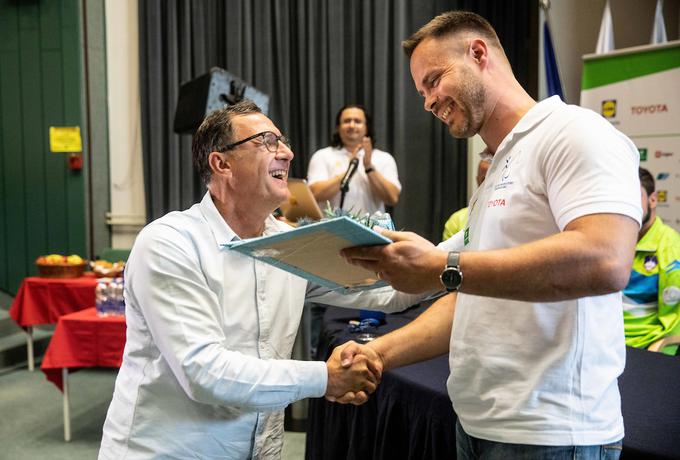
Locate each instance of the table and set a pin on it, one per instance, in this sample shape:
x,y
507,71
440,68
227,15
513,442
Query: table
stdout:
x,y
82,339
410,415
44,300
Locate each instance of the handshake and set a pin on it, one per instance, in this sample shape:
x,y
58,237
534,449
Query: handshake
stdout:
x,y
354,372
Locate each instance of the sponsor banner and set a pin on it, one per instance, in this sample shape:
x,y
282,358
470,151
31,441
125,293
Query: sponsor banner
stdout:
x,y
653,110
661,156
636,90
629,63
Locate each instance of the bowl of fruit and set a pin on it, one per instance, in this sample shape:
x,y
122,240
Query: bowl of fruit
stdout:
x,y
58,266
105,269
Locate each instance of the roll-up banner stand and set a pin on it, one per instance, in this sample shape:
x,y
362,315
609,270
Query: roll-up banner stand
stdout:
x,y
638,91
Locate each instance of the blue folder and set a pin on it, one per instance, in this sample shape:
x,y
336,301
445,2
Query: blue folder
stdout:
x,y
313,252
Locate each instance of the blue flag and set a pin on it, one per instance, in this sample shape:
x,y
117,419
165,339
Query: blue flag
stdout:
x,y
552,74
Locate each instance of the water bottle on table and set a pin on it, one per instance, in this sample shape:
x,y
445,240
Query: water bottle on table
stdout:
x,y
364,330
384,220
101,294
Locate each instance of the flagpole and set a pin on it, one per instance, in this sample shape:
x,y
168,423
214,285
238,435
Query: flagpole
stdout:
x,y
605,39
545,5
659,28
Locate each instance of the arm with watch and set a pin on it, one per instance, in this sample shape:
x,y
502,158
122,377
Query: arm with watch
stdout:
x,y
585,259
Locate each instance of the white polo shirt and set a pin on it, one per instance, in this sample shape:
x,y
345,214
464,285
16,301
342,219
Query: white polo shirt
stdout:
x,y
544,372
331,161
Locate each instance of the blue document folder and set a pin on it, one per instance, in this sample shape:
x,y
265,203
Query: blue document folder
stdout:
x,y
313,252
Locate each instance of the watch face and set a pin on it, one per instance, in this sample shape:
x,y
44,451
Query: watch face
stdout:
x,y
451,278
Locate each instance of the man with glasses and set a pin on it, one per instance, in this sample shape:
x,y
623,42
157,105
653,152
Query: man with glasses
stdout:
x,y
206,371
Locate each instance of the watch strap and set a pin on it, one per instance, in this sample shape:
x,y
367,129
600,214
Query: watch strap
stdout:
x,y
453,259
452,277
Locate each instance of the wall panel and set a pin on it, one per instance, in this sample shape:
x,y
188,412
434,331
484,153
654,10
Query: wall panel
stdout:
x,y
41,202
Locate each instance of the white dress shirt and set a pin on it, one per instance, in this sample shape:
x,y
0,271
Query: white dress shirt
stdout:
x,y
206,369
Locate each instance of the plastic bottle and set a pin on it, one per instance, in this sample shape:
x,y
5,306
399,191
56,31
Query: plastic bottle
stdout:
x,y
110,304
382,219
120,300
101,298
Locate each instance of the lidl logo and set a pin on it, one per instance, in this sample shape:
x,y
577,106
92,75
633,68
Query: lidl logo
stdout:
x,y
663,176
643,153
609,108
662,196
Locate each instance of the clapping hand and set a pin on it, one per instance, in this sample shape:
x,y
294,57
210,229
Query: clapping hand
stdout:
x,y
354,372
367,144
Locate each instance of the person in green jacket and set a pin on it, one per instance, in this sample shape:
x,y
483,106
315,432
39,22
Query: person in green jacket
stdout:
x,y
651,300
458,219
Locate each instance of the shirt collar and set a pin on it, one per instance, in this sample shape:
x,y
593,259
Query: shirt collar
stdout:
x,y
345,151
533,117
650,241
222,232
218,226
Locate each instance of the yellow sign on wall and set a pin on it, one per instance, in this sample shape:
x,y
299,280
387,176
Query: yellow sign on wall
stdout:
x,y
609,108
65,139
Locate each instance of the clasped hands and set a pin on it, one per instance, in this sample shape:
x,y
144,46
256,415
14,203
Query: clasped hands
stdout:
x,y
354,372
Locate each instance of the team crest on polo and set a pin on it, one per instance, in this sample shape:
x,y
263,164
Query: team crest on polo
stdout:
x,y
466,236
505,180
650,263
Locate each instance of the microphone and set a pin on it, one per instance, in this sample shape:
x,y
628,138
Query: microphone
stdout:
x,y
351,169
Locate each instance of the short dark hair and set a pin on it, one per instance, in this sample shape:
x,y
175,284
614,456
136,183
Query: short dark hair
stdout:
x,y
646,181
215,133
449,23
335,137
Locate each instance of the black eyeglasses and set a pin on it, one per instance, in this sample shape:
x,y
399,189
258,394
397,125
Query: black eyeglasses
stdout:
x,y
269,139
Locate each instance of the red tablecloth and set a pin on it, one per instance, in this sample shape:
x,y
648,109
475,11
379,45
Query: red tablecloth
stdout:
x,y
44,300
83,339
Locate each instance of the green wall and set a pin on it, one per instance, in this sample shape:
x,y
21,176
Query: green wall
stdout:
x,y
42,203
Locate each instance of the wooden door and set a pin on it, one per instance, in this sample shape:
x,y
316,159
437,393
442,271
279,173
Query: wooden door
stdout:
x,y
42,202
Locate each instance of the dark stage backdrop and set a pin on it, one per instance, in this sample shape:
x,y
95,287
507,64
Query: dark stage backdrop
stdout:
x,y
311,57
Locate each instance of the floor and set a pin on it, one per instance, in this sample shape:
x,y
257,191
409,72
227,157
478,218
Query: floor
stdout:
x,y
31,423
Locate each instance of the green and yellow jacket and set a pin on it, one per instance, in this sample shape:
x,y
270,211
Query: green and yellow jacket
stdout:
x,y
456,223
651,300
